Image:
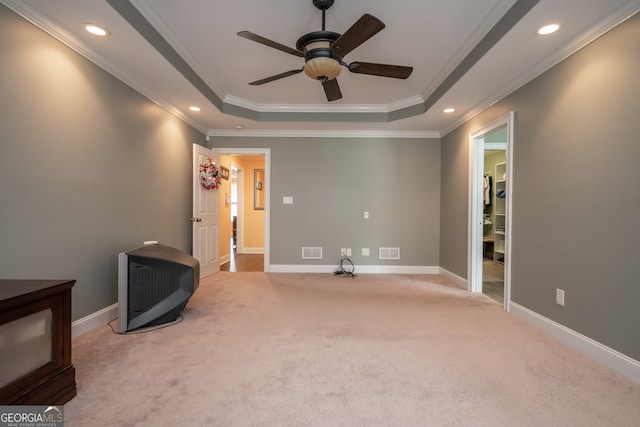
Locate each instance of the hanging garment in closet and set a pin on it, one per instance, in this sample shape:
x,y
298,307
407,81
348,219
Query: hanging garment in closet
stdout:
x,y
487,190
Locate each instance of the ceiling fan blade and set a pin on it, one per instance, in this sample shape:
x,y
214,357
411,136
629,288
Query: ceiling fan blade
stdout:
x,y
259,39
383,70
276,77
331,89
364,28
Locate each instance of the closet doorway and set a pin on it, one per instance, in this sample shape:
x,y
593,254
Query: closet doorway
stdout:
x,y
494,215
490,177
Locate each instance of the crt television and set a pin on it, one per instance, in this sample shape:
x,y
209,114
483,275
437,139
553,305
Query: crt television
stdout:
x,y
154,284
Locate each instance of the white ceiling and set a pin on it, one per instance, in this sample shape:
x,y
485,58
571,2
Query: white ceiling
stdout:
x,y
433,36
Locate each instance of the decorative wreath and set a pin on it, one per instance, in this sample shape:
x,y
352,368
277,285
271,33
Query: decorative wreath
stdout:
x,y
210,177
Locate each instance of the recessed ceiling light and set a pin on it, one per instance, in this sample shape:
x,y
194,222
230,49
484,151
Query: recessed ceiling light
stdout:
x,y
194,108
548,29
95,30
449,110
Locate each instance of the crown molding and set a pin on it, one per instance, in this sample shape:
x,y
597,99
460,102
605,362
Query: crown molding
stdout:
x,y
317,108
284,133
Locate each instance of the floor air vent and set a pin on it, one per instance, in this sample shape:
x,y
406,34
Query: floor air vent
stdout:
x,y
389,253
311,253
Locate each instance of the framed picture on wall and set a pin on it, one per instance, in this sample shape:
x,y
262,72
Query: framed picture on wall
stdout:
x,y
224,172
258,194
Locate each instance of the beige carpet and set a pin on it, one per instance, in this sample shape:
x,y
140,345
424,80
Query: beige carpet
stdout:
x,y
258,349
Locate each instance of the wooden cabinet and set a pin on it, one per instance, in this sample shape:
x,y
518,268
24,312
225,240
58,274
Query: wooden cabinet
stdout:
x,y
35,332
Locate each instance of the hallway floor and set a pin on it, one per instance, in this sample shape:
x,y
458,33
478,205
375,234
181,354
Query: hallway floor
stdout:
x,y
493,280
244,263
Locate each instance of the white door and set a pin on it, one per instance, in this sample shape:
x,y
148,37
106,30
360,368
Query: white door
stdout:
x,y
206,216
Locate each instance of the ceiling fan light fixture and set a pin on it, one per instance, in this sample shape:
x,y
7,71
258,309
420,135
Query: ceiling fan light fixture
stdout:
x,y
322,68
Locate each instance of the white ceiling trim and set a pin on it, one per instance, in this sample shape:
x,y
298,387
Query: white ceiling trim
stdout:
x,y
318,108
321,134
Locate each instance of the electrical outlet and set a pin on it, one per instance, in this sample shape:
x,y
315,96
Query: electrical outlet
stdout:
x,y
343,252
560,297
348,251
365,251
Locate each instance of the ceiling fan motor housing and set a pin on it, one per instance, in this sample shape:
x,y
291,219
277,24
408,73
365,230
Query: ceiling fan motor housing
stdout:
x,y
323,4
320,62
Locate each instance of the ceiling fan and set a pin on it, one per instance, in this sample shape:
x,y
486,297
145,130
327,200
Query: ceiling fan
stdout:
x,y
323,53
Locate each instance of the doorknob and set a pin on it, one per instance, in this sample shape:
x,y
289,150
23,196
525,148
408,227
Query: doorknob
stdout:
x,y
192,219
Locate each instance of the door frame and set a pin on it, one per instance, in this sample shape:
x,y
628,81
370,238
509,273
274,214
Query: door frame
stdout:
x,y
475,211
266,152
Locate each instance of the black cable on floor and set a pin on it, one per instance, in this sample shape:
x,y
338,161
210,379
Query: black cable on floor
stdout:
x,y
145,330
346,268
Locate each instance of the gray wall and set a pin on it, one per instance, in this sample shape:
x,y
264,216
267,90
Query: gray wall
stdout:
x,y
88,168
334,180
576,192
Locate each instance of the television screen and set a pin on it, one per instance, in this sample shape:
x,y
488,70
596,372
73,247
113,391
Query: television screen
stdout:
x,y
155,283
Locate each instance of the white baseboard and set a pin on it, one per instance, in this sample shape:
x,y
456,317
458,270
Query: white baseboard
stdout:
x,y
225,259
396,269
246,250
295,268
364,269
94,320
615,360
457,280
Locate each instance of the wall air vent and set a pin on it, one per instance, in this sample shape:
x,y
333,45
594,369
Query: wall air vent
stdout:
x,y
311,253
389,253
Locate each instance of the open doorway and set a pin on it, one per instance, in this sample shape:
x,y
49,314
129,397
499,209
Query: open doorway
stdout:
x,y
490,195
245,240
494,215
234,209
246,214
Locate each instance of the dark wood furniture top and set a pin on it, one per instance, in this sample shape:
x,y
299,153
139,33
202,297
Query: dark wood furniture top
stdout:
x,y
24,289
53,382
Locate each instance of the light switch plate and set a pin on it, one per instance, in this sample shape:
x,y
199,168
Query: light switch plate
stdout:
x,y
287,200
